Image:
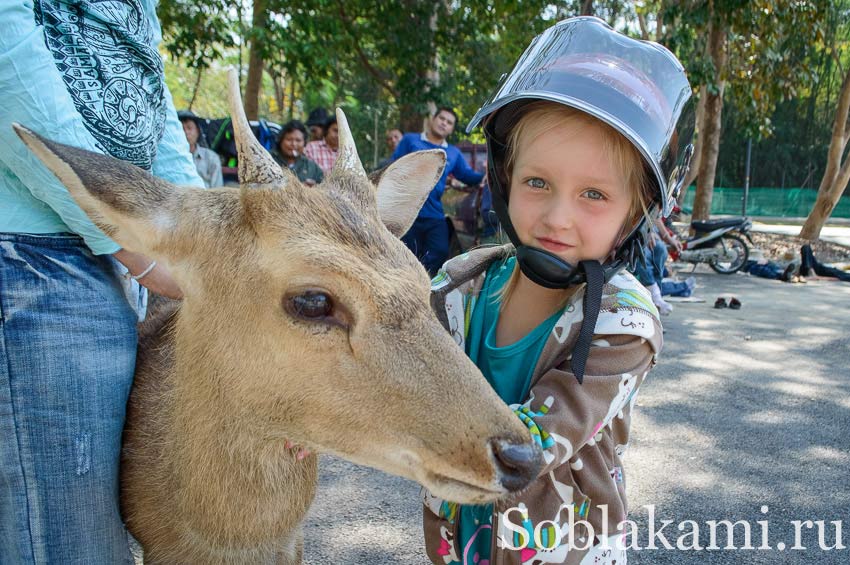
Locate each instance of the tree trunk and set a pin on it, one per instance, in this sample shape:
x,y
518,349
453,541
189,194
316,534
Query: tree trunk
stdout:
x,y
644,33
587,8
291,98
241,36
432,74
410,119
255,60
279,82
710,133
196,88
695,160
836,175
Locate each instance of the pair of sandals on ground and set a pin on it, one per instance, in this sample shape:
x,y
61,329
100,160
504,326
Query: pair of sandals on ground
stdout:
x,y
733,303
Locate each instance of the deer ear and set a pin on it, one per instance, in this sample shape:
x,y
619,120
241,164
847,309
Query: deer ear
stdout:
x,y
405,185
127,203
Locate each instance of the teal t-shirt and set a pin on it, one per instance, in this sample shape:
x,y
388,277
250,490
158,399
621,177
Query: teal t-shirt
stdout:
x,y
508,370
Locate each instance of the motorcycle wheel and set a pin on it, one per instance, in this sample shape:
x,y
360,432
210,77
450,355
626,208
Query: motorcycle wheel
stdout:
x,y
736,248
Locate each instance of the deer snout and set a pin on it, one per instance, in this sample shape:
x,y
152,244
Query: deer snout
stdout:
x,y
516,463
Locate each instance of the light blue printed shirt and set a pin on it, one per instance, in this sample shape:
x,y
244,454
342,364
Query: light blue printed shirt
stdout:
x,y
87,74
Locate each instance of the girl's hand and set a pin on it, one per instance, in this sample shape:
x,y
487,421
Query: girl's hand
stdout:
x,y
158,279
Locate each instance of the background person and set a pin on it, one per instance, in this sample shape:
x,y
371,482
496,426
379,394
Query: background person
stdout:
x,y
651,271
325,151
207,162
392,137
289,152
428,237
316,123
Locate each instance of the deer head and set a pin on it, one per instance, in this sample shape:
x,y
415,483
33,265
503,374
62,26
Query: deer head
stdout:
x,y
306,317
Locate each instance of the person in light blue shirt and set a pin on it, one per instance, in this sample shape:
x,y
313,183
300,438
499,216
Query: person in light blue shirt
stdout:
x,y
428,238
88,74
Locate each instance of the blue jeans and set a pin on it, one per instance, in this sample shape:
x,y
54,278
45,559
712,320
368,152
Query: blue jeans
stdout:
x,y
428,238
674,289
768,271
67,353
653,271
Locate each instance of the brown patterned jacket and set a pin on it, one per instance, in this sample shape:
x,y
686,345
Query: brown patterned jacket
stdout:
x,y
584,428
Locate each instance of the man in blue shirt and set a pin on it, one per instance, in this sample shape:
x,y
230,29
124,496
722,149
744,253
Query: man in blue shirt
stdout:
x,y
428,238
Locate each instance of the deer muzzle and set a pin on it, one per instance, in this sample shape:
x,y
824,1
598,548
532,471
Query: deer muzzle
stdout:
x,y
517,464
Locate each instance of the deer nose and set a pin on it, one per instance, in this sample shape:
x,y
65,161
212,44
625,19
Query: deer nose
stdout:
x,y
517,463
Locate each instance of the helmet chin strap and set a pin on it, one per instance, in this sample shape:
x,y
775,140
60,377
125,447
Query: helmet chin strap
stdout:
x,y
591,304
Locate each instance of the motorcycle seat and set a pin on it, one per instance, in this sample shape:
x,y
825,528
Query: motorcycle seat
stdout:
x,y
711,225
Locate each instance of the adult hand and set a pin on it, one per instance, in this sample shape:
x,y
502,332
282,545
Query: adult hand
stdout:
x,y
674,241
158,280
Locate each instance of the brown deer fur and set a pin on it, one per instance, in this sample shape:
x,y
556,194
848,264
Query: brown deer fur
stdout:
x,y
226,376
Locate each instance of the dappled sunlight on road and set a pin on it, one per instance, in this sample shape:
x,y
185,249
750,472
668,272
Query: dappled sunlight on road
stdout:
x,y
825,455
379,536
747,408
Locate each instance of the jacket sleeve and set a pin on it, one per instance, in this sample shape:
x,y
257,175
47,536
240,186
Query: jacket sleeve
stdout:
x,y
35,96
464,173
564,415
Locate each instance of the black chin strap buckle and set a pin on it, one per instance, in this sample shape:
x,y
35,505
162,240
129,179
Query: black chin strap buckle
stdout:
x,y
546,269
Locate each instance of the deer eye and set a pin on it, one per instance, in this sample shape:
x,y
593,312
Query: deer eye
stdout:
x,y
312,306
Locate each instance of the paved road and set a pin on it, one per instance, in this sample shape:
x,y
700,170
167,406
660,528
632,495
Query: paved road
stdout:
x,y
834,233
746,409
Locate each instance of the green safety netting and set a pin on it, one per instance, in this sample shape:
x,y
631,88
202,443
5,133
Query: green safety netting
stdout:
x,y
777,202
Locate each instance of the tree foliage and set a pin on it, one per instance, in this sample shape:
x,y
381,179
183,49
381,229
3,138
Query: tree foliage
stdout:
x,y
387,63
198,33
749,55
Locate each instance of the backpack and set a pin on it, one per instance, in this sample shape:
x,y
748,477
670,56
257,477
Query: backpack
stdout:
x,y
223,142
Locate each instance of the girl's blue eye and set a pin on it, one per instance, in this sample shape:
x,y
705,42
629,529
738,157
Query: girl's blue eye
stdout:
x,y
594,194
537,183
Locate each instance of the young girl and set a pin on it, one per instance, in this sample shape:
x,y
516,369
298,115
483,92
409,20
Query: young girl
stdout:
x,y
588,139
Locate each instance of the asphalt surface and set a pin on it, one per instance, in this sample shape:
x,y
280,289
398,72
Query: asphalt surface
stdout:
x,y
746,417
833,233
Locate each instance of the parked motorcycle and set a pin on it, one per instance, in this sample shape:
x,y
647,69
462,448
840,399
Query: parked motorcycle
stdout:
x,y
720,243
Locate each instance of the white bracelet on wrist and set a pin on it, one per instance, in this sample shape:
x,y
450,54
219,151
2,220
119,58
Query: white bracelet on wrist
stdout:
x,y
144,273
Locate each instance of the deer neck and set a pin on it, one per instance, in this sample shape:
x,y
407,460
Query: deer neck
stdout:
x,y
227,464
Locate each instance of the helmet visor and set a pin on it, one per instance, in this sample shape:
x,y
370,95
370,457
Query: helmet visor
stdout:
x,y
637,87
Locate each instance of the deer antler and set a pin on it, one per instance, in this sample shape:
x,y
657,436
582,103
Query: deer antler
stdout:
x,y
256,165
347,160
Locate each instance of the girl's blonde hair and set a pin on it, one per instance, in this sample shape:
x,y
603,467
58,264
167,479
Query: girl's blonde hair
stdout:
x,y
542,116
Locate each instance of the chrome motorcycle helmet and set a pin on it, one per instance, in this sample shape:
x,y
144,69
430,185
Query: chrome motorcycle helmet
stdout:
x,y
637,87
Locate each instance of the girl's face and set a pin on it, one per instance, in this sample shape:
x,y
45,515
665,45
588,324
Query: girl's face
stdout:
x,y
567,195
